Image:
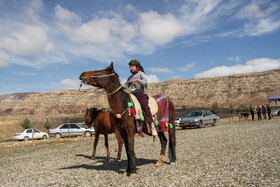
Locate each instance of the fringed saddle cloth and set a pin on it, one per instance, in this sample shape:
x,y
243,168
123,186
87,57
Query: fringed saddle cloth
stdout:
x,y
159,109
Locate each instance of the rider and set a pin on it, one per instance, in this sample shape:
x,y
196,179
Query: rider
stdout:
x,y
138,83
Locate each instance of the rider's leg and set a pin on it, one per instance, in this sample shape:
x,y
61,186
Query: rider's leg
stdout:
x,y
144,102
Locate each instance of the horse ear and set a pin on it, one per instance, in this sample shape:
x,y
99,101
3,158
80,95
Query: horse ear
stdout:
x,y
111,68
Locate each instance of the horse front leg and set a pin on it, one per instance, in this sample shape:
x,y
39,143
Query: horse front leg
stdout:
x,y
96,137
163,142
131,159
107,146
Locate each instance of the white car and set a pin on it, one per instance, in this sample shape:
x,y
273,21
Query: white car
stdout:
x,y
177,121
275,112
28,134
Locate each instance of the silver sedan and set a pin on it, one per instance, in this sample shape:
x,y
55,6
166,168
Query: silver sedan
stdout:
x,y
199,118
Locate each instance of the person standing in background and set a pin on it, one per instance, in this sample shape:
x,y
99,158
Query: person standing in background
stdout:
x,y
258,111
268,112
252,113
264,112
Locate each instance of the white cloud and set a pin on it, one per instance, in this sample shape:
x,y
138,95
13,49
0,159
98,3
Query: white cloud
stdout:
x,y
28,40
159,29
198,16
255,65
260,18
235,58
70,83
152,78
66,16
187,67
161,70
24,73
4,59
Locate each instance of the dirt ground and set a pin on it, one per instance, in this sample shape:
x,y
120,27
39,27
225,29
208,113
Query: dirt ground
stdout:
x,y
232,154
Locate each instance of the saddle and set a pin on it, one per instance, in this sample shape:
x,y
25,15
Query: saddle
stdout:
x,y
138,110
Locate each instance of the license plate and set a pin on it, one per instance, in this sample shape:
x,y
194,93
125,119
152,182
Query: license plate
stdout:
x,y
186,123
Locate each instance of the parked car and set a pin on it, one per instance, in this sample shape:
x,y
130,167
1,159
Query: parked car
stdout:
x,y
71,129
177,121
275,113
28,134
199,118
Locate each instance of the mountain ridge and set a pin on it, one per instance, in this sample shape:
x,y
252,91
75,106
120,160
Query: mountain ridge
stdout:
x,y
240,89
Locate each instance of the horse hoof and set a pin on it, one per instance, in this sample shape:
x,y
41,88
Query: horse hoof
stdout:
x,y
159,163
133,175
172,163
124,174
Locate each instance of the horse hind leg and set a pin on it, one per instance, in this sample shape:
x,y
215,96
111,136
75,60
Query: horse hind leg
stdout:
x,y
172,134
172,146
107,147
120,144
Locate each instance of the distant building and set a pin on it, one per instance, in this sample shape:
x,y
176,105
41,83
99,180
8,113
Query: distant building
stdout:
x,y
274,101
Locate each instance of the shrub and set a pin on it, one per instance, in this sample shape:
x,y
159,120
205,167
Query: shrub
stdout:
x,y
215,108
47,125
26,124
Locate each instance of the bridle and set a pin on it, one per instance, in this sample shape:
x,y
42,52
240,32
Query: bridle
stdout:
x,y
102,76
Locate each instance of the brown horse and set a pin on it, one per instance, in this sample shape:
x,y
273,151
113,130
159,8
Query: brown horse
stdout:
x,y
118,99
103,123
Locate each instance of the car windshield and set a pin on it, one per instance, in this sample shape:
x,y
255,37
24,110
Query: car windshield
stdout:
x,y
195,114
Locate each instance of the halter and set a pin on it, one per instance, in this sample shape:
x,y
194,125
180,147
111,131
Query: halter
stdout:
x,y
102,76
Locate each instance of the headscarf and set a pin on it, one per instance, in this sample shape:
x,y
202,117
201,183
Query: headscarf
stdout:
x,y
137,64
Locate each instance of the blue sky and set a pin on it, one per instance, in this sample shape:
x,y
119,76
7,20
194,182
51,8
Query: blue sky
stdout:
x,y
46,44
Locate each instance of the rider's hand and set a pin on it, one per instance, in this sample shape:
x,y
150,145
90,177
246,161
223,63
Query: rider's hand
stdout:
x,y
134,80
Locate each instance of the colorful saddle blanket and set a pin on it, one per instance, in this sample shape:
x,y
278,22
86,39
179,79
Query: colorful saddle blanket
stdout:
x,y
161,118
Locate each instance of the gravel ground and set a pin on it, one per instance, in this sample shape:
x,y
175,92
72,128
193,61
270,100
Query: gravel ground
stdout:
x,y
240,154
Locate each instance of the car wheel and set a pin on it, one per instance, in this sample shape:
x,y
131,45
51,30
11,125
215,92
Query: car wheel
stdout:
x,y
199,124
87,134
26,138
57,135
45,137
214,122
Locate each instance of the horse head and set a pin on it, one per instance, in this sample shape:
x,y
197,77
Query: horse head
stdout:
x,y
90,116
98,78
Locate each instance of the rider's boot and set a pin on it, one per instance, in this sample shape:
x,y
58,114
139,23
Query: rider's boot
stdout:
x,y
154,131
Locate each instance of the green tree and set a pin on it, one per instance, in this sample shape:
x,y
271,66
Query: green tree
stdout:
x,y
47,124
215,108
26,124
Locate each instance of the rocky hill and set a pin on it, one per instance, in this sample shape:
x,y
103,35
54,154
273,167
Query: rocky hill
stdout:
x,y
242,89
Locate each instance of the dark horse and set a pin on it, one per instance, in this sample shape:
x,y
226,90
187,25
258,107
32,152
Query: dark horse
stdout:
x,y
117,98
103,123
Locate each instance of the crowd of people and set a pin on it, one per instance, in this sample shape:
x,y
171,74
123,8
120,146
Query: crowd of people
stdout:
x,y
262,112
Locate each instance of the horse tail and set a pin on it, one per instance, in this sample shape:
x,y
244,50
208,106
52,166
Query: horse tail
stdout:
x,y
172,134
